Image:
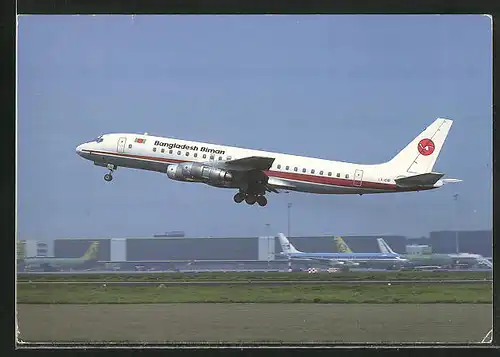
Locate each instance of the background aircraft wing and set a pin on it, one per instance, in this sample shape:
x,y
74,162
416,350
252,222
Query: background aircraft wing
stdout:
x,y
319,260
345,262
329,261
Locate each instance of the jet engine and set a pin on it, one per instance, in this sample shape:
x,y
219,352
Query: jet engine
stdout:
x,y
198,172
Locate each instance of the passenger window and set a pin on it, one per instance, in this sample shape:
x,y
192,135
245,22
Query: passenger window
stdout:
x,y
303,170
338,175
187,153
130,146
220,158
321,172
287,168
154,149
204,156
212,157
312,171
178,152
347,176
329,174
228,158
295,169
195,154
279,167
162,150
170,151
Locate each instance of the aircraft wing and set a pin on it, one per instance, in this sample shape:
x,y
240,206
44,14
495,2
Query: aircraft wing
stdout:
x,y
427,179
344,262
256,164
331,261
319,260
250,163
276,183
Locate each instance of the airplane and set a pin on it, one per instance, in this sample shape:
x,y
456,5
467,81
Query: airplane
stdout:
x,y
336,259
54,263
436,258
255,172
470,260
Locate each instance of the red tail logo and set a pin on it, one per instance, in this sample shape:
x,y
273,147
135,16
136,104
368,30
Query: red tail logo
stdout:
x,y
426,147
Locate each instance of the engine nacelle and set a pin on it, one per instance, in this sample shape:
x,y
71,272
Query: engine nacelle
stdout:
x,y
198,172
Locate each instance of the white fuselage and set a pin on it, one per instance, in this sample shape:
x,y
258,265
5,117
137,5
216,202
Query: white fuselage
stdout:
x,y
288,172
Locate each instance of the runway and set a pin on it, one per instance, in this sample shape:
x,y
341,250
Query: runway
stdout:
x,y
262,282
154,272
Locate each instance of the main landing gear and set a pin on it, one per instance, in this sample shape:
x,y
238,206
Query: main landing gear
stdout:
x,y
109,177
250,198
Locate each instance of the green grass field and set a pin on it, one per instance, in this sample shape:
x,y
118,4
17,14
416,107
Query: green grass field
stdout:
x,y
246,323
350,293
270,276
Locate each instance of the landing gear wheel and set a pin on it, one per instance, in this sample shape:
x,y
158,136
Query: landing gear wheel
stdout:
x,y
108,177
250,199
239,197
262,201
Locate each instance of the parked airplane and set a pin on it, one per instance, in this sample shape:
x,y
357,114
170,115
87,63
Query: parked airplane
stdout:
x,y
255,172
342,247
436,258
335,259
471,260
53,263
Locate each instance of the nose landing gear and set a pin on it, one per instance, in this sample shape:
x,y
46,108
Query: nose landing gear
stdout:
x,y
109,177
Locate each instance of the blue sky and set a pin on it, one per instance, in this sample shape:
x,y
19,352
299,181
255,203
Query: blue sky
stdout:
x,y
350,88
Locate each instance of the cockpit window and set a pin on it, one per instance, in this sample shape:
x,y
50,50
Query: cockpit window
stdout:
x,y
99,139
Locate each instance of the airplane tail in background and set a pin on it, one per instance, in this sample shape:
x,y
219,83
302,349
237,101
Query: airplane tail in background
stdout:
x,y
342,246
91,253
384,247
419,156
286,246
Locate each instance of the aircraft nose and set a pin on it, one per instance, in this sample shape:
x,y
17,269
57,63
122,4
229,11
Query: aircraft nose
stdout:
x,y
79,149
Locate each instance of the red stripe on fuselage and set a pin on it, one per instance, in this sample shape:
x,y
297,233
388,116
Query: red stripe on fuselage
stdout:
x,y
324,180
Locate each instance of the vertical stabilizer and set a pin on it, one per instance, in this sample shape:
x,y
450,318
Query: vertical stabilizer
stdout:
x,y
420,155
286,246
342,246
91,253
384,247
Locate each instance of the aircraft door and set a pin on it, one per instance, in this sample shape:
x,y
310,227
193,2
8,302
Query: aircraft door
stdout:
x,y
358,178
121,144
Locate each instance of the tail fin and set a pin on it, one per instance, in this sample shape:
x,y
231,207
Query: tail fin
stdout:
x,y
286,246
421,154
384,247
342,246
91,253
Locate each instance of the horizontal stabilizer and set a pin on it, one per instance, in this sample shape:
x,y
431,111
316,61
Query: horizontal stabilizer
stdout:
x,y
427,179
251,163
